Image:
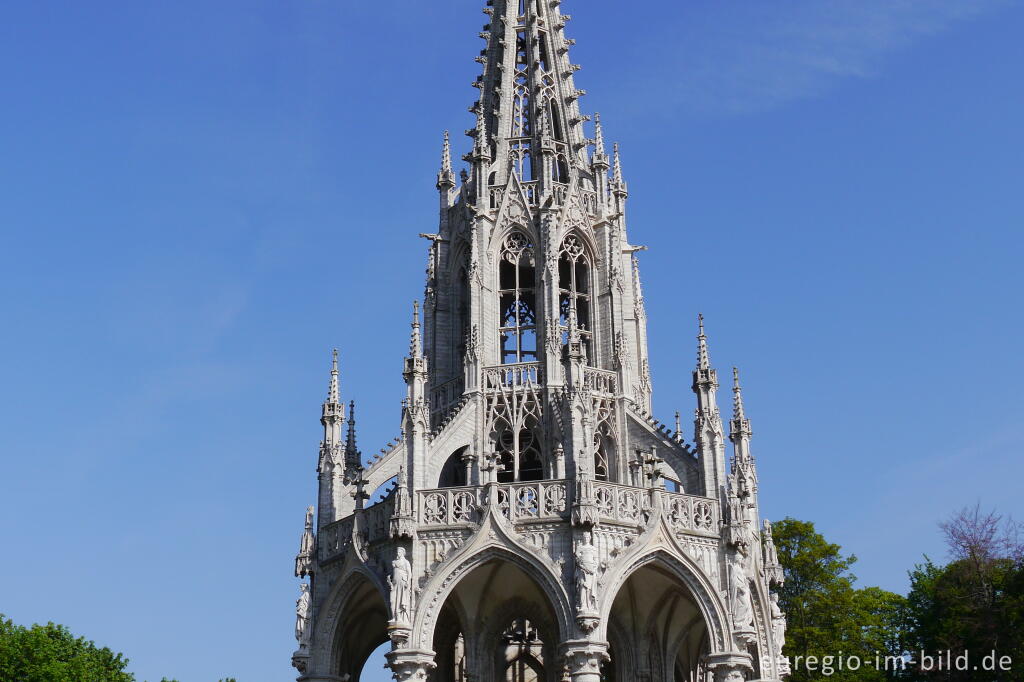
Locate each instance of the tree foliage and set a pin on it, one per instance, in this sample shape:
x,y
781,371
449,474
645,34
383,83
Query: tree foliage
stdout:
x,y
827,615
976,602
50,653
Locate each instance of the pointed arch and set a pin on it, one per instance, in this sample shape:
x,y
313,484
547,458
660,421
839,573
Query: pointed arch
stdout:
x,y
689,578
351,623
458,569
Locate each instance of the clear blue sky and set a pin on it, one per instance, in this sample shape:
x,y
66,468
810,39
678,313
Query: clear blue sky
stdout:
x,y
198,200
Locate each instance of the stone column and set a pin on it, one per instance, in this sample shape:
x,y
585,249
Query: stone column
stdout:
x,y
731,667
583,659
410,664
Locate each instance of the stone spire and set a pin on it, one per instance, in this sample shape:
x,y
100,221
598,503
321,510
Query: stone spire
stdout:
x,y
740,425
415,342
332,414
333,390
446,177
527,76
618,183
743,467
709,434
353,459
600,157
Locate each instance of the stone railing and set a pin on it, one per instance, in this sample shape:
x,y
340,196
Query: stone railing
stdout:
x,y
599,380
559,192
334,539
513,376
625,504
378,518
449,506
536,500
691,513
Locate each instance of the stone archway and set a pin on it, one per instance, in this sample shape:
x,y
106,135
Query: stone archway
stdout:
x,y
508,629
353,625
656,616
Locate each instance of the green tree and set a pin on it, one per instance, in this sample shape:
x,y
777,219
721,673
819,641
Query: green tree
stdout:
x,y
828,617
50,653
976,602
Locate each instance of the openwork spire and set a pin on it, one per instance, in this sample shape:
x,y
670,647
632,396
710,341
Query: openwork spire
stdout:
x,y
526,87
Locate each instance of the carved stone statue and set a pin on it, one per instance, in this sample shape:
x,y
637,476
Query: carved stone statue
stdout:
x,y
587,566
303,617
778,623
307,547
772,566
739,597
400,582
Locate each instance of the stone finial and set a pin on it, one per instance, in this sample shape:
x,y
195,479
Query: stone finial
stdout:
x,y
415,343
599,151
446,177
617,167
333,390
703,356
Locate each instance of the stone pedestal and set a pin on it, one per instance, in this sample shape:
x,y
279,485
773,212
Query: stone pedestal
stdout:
x,y
409,664
731,667
583,660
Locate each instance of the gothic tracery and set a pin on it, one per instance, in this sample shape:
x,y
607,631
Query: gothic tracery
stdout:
x,y
533,522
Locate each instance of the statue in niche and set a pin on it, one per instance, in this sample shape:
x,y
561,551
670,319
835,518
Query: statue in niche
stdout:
x,y
587,566
739,597
778,623
303,617
400,583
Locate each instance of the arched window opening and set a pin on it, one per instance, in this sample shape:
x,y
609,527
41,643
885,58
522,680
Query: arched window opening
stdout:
x,y
600,459
521,160
545,63
556,122
531,468
560,170
453,473
522,7
520,455
524,653
518,303
574,289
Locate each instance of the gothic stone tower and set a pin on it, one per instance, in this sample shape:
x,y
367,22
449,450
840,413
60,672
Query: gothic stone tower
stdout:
x,y
541,526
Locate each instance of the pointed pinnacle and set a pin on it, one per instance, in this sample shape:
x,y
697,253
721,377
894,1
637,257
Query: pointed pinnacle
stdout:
x,y
415,345
332,391
445,177
598,136
617,168
739,413
703,356
350,440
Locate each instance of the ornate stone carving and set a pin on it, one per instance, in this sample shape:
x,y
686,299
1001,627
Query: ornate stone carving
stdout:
x,y
740,606
400,586
303,617
307,548
587,567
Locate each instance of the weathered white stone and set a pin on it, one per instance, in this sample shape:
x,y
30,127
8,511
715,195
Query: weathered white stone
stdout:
x,y
539,523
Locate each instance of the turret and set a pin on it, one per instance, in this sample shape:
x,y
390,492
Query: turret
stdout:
x,y
743,466
709,435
